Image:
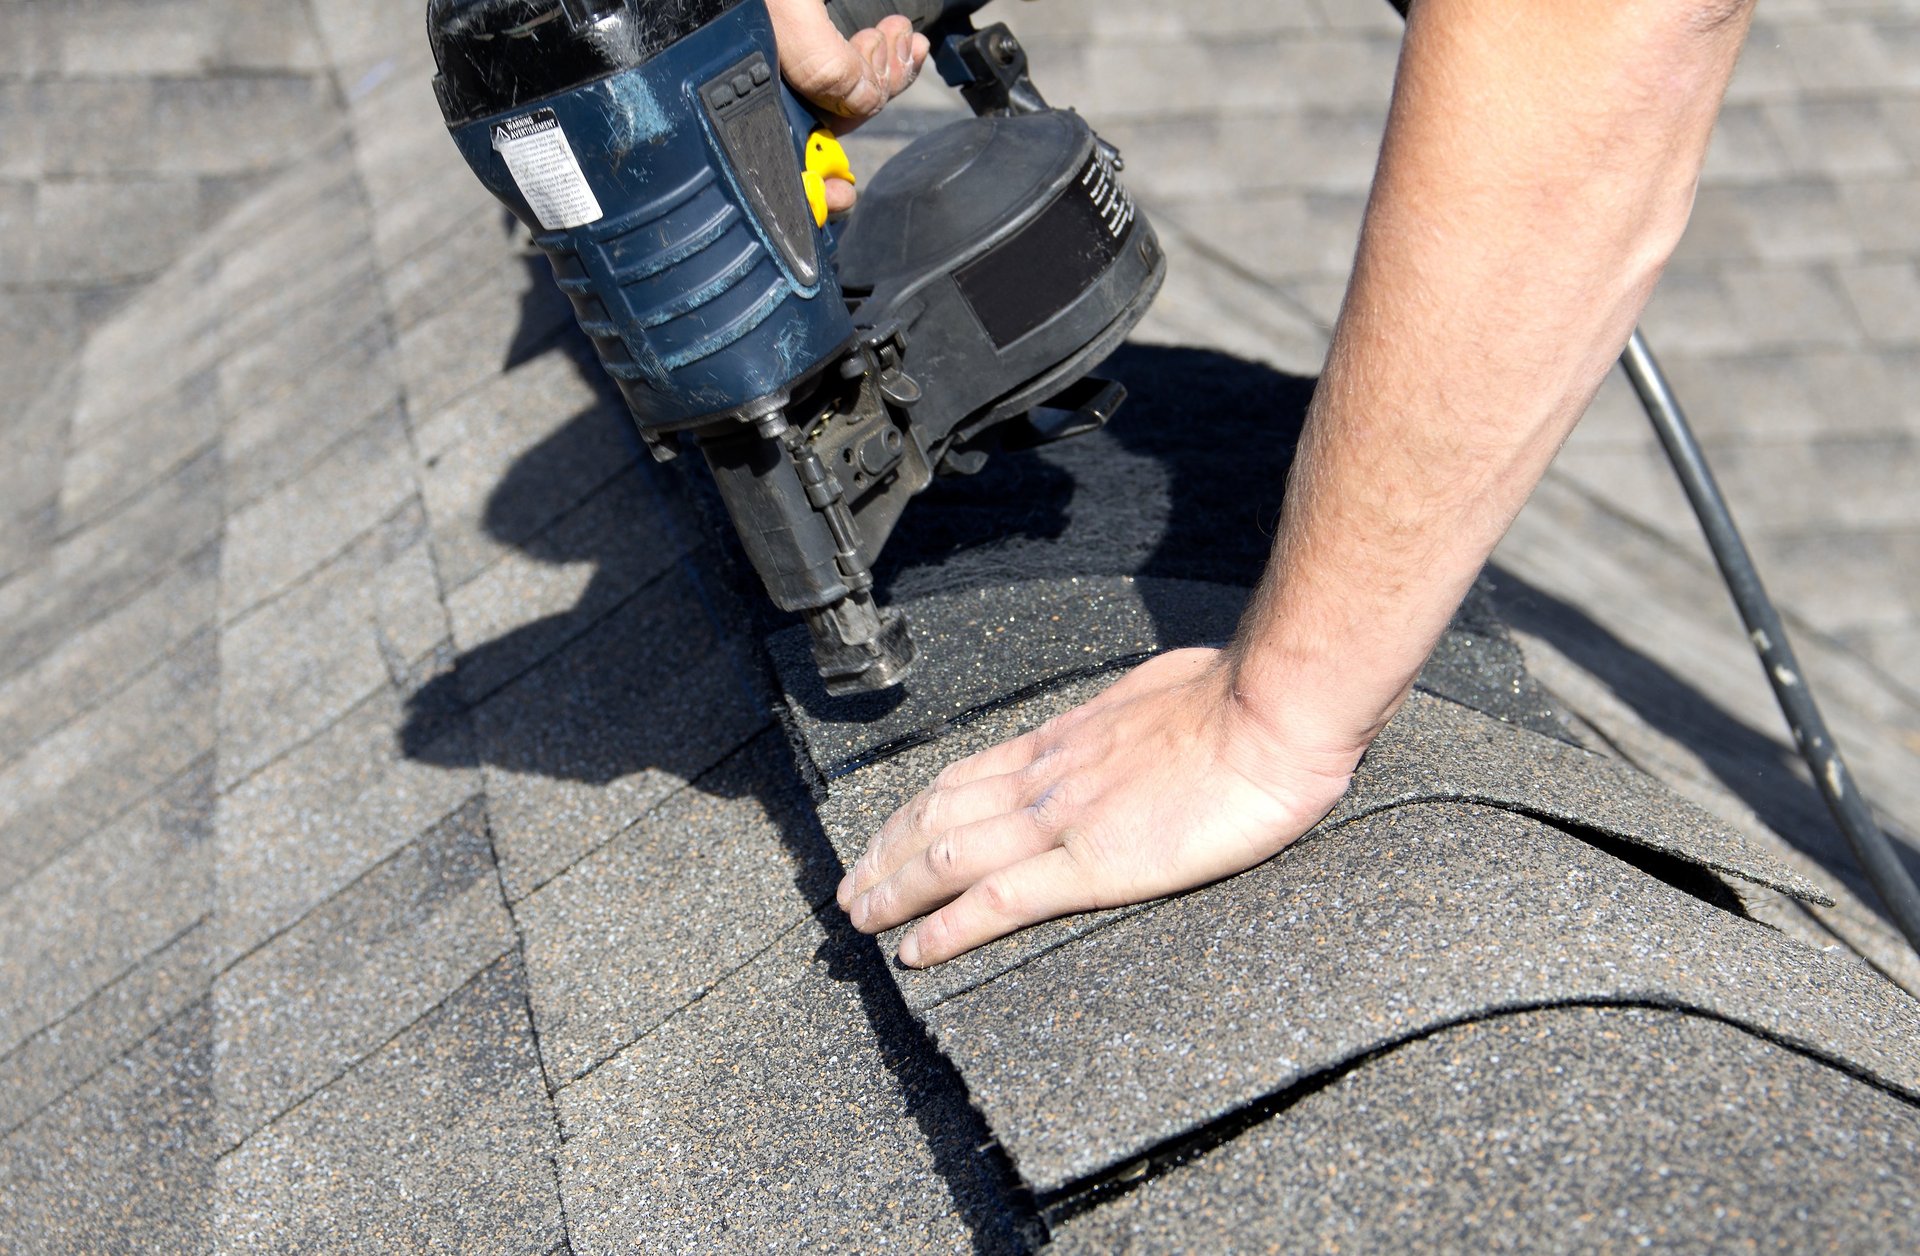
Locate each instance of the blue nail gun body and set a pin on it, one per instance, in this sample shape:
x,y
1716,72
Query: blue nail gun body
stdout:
x,y
825,371
702,281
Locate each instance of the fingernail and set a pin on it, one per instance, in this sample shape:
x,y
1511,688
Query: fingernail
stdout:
x,y
910,950
843,893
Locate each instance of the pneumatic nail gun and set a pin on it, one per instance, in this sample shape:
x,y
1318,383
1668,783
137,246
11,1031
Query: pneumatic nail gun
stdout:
x,y
826,370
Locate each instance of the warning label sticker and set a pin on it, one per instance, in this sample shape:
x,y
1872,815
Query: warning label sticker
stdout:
x,y
544,168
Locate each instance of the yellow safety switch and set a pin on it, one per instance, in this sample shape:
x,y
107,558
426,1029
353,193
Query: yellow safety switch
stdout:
x,y
825,160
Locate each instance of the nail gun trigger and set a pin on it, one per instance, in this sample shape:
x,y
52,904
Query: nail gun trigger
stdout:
x,y
899,387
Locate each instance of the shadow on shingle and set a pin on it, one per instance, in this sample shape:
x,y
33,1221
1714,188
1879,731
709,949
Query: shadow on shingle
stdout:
x,y
1185,482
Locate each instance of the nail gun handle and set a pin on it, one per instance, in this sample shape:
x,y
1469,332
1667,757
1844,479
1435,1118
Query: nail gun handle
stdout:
x,y
857,15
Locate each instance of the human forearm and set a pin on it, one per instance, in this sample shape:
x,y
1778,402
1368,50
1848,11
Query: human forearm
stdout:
x,y
1538,169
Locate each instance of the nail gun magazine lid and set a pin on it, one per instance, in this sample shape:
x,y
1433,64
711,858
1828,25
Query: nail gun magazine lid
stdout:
x,y
495,55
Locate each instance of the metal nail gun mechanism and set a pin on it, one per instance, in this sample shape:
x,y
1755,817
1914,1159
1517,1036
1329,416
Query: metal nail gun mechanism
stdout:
x,y
826,370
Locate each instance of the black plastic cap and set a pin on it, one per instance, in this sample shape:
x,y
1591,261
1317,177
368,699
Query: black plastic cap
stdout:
x,y
496,55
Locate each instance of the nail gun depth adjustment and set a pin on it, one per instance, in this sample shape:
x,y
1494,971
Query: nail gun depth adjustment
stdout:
x,y
825,370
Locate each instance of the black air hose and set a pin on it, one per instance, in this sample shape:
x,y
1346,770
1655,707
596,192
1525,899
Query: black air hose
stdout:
x,y
1830,775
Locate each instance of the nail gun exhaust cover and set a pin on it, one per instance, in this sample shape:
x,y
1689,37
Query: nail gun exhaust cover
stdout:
x,y
499,54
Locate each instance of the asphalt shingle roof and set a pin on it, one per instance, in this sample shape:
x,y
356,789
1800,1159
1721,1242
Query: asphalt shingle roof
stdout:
x,y
1433,894
1570,1128
410,837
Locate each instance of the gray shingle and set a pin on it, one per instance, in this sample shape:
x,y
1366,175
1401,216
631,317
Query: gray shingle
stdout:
x,y
665,911
557,584
37,433
1744,148
25,31
302,829
1788,306
504,462
279,341
1434,749
486,321
125,1161
358,33
1283,326
179,125
296,199
1373,933
1839,577
1764,72
586,743
1335,15
984,643
95,125
1278,235
1478,664
93,663
412,172
89,917
1338,68
1566,1129
37,360
1747,397
237,122
440,1141
413,185
1886,298
283,536
125,457
168,332
1691,313
1648,624
279,433
1187,75
290,668
1789,222
425,283
1137,19
314,221
1837,139
779,1111
1796,493
181,38
117,754
1328,149
114,1021
296,1013
1841,57
1885,213
87,574
102,229
275,34
1182,152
